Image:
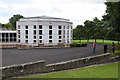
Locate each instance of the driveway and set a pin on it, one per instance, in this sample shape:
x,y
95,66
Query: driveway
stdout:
x,y
15,56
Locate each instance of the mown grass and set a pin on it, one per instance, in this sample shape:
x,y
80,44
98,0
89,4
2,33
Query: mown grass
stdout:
x,y
97,41
117,48
104,71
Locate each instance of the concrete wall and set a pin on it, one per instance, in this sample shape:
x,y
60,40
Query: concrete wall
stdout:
x,y
103,58
23,69
41,67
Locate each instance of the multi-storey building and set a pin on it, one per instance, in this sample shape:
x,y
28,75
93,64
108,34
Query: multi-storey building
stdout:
x,y
44,30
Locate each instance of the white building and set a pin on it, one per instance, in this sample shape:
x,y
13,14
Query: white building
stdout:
x,y
7,38
44,30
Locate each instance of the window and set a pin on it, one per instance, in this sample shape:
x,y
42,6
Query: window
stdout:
x,y
34,41
40,37
26,26
68,27
26,36
18,31
34,37
67,36
50,32
26,41
26,31
40,32
18,26
50,41
18,40
40,41
64,31
60,37
50,37
40,26
71,27
34,32
18,36
60,32
64,27
50,27
34,26
59,41
59,27
67,31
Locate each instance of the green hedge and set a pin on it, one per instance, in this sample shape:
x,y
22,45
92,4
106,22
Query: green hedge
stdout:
x,y
78,45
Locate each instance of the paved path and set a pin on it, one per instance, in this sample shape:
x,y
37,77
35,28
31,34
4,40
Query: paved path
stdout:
x,y
15,56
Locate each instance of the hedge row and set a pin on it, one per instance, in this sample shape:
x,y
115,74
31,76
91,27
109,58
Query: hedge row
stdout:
x,y
78,45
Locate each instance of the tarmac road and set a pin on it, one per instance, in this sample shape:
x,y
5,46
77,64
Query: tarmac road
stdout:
x,y
50,55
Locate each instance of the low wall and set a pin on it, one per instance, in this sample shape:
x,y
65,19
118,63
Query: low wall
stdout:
x,y
41,67
23,69
103,58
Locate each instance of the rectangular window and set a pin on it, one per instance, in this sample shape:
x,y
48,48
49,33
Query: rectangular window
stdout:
x,y
40,26
50,37
60,32
26,31
34,26
64,27
59,41
50,27
26,41
50,32
34,32
40,37
26,26
50,41
71,27
40,41
34,37
60,37
34,41
26,36
40,32
64,31
68,32
18,40
18,36
68,27
59,27
18,26
18,31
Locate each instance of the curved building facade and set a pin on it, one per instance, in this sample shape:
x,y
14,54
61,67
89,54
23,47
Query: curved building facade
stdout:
x,y
44,30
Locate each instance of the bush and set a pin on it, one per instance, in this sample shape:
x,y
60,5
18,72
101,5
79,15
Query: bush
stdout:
x,y
78,45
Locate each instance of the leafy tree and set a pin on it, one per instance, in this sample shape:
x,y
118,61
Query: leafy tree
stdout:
x,y
113,12
14,19
8,26
89,29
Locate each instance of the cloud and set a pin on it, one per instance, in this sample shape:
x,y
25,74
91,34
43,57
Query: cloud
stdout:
x,y
76,10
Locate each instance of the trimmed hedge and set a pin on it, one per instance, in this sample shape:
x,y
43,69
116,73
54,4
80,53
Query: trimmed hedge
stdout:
x,y
78,45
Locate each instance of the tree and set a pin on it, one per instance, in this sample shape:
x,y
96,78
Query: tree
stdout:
x,y
8,26
99,29
88,27
113,12
14,19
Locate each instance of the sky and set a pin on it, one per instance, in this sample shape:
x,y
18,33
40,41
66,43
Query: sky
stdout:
x,y
76,10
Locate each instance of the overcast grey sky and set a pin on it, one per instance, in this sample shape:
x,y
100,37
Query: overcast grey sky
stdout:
x,y
76,10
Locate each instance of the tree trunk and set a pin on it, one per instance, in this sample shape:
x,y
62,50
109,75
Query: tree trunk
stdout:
x,y
88,40
103,40
95,39
79,40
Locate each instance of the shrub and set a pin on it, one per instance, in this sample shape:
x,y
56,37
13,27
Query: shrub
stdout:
x,y
78,45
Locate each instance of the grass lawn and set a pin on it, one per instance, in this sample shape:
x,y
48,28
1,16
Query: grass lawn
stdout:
x,y
97,41
104,71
